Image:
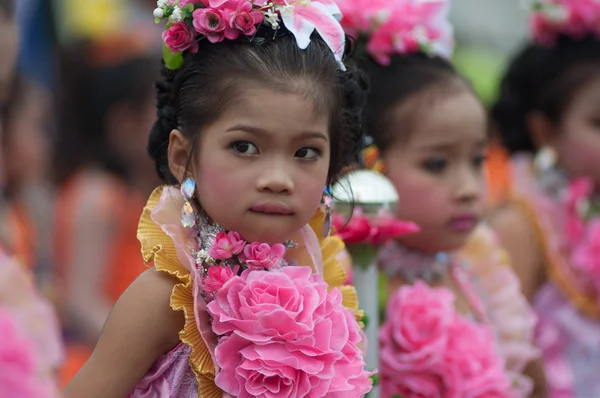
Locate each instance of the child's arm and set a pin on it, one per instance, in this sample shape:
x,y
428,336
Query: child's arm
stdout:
x,y
141,327
519,239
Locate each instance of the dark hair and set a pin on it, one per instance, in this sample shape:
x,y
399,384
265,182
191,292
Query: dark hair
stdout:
x,y
193,96
7,7
546,80
394,84
86,95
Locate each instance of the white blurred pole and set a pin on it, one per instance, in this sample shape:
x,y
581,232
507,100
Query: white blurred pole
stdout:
x,y
366,283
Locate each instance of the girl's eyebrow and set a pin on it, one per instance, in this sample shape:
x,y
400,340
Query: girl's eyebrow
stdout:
x,y
262,132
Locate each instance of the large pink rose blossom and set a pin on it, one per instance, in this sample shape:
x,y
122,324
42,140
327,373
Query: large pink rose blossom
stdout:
x,y
428,351
412,385
475,369
262,255
226,245
284,335
415,332
179,37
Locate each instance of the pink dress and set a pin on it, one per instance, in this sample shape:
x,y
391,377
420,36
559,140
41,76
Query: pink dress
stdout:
x,y
567,305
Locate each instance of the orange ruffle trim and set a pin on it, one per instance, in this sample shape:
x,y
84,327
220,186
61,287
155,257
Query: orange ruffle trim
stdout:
x,y
159,249
580,300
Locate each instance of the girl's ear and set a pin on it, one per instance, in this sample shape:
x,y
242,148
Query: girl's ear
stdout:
x,y
543,131
178,154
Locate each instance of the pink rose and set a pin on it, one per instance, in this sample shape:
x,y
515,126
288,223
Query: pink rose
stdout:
x,y
226,245
414,334
412,385
413,340
210,23
284,335
474,368
217,276
179,37
261,255
244,19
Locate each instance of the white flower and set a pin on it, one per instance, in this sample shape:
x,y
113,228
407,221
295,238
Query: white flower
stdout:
x,y
556,13
286,11
201,256
176,16
162,3
419,33
158,13
272,18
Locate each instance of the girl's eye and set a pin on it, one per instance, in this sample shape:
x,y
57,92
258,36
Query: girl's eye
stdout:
x,y
479,160
244,148
435,165
307,153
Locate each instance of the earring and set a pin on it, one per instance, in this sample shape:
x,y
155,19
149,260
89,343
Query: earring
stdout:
x,y
327,202
545,160
188,216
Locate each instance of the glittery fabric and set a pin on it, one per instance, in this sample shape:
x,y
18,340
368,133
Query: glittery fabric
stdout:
x,y
171,376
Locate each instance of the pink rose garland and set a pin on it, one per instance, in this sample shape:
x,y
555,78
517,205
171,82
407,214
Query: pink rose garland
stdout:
x,y
427,350
179,37
282,334
226,245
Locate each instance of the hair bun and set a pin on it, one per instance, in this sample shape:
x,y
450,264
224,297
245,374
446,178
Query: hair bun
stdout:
x,y
356,84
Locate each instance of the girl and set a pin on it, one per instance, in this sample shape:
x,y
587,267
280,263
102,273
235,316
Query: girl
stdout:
x,y
255,116
548,115
429,131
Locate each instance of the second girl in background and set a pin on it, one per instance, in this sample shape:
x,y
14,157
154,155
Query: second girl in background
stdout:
x,y
456,323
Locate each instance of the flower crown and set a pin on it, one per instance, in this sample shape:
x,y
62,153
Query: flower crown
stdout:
x,y
399,26
216,20
574,18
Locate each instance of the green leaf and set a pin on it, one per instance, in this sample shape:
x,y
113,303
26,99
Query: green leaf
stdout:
x,y
172,61
365,320
363,254
375,379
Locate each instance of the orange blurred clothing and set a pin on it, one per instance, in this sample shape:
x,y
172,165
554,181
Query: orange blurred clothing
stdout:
x,y
113,201
119,204
498,172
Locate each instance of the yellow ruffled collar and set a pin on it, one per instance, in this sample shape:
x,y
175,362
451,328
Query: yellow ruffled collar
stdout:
x,y
165,245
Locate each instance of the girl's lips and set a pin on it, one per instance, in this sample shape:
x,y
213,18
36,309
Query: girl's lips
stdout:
x,y
276,208
463,223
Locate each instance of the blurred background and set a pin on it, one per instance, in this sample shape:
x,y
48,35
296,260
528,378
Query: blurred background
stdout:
x,y
77,106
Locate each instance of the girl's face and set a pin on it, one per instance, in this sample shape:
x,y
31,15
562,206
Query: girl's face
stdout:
x,y
438,172
578,141
260,169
